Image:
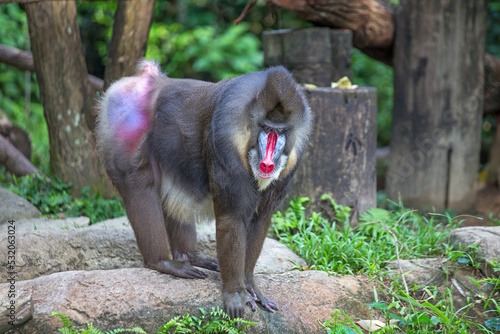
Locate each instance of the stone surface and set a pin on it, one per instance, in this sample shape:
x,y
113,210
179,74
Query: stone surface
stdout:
x,y
431,272
15,207
73,282
487,239
44,252
125,298
46,224
103,246
113,223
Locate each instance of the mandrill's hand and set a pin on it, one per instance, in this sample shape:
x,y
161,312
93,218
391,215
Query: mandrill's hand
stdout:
x,y
234,303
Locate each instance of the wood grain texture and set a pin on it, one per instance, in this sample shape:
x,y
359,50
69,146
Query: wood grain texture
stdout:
x,y
65,91
316,56
438,101
340,160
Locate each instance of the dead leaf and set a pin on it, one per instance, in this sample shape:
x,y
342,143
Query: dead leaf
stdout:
x,y
370,325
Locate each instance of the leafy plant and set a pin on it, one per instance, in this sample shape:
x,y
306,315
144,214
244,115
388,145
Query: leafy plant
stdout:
x,y
338,324
69,328
204,52
441,317
215,321
494,322
412,316
53,198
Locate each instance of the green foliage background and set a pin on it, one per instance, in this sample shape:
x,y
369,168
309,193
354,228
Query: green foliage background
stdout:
x,y
192,38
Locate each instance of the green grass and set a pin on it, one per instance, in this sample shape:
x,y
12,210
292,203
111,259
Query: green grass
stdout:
x,y
382,236
336,248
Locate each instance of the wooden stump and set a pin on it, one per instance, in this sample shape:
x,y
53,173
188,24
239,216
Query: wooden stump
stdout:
x,y
316,56
438,98
340,160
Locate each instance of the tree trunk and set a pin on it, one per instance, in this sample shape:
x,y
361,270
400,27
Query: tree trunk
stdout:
x,y
340,160
65,91
373,25
438,101
130,37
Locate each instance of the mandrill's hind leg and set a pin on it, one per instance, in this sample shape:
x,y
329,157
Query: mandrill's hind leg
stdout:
x,y
182,237
145,214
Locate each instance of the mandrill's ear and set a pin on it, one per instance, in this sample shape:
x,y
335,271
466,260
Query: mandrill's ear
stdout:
x,y
280,87
282,94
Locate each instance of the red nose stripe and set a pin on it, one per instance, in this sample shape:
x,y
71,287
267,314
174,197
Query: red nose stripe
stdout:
x,y
267,165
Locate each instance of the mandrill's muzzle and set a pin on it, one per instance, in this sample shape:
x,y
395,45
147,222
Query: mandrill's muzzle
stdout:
x,y
271,146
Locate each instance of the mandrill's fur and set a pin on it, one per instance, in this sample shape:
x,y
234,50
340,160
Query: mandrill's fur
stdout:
x,y
181,151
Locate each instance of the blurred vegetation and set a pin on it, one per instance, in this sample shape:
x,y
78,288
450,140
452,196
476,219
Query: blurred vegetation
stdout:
x,y
190,38
53,198
19,95
493,36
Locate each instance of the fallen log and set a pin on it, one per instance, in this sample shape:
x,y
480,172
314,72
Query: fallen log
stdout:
x,y
14,160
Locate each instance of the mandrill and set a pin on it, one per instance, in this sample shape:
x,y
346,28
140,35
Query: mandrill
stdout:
x,y
182,150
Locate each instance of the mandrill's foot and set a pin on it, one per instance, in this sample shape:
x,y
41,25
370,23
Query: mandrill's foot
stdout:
x,y
206,263
267,303
177,268
234,303
195,260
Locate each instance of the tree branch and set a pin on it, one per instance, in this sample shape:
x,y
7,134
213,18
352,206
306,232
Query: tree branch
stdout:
x,y
14,160
23,60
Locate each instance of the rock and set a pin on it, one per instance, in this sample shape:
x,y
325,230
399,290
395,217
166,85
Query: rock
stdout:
x,y
430,272
44,252
487,239
98,247
14,207
18,312
113,223
443,274
277,258
74,284
126,298
46,224
417,271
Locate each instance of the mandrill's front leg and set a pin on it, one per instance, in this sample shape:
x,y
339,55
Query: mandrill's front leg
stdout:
x,y
231,247
256,235
237,240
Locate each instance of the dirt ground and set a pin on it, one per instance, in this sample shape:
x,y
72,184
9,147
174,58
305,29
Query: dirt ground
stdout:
x,y
487,202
